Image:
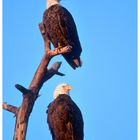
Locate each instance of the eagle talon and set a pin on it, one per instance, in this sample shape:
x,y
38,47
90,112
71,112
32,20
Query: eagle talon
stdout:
x,y
68,48
59,46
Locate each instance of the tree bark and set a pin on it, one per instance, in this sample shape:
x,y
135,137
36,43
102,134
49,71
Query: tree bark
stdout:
x,y
30,95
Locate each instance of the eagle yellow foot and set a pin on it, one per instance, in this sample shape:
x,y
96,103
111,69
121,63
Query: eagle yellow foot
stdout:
x,y
61,50
66,49
59,46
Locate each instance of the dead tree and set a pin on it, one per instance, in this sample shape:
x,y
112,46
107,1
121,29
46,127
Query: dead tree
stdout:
x,y
30,95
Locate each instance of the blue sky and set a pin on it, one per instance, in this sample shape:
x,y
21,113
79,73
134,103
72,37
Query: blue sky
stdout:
x,y
104,88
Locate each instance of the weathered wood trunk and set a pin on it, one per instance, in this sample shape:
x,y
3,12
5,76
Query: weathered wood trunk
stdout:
x,y
30,95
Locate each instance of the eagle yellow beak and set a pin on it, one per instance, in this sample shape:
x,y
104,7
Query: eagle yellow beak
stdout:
x,y
68,87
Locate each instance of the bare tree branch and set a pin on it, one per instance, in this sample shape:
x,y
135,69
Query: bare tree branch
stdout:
x,y
22,89
54,70
32,93
10,108
41,76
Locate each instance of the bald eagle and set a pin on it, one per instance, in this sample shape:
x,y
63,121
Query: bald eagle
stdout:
x,y
61,30
64,117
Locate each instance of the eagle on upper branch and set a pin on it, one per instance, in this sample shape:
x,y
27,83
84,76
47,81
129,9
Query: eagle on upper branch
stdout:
x,y
61,30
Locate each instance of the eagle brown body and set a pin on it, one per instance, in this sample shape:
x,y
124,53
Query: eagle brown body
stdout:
x,y
61,31
65,119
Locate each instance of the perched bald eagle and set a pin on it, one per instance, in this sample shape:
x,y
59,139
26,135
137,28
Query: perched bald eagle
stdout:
x,y
64,117
61,30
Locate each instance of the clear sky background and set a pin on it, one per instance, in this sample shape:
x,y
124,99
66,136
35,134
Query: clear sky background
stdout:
x,y
104,88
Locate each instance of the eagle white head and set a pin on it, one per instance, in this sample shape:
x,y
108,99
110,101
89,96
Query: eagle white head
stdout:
x,y
62,89
52,2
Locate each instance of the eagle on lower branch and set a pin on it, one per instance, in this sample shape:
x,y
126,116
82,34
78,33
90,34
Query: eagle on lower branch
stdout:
x,y
64,117
61,30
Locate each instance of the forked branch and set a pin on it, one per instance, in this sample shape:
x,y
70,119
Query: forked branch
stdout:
x,y
30,95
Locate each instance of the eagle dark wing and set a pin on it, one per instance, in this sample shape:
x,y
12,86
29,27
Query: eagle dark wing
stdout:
x,y
65,119
61,29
